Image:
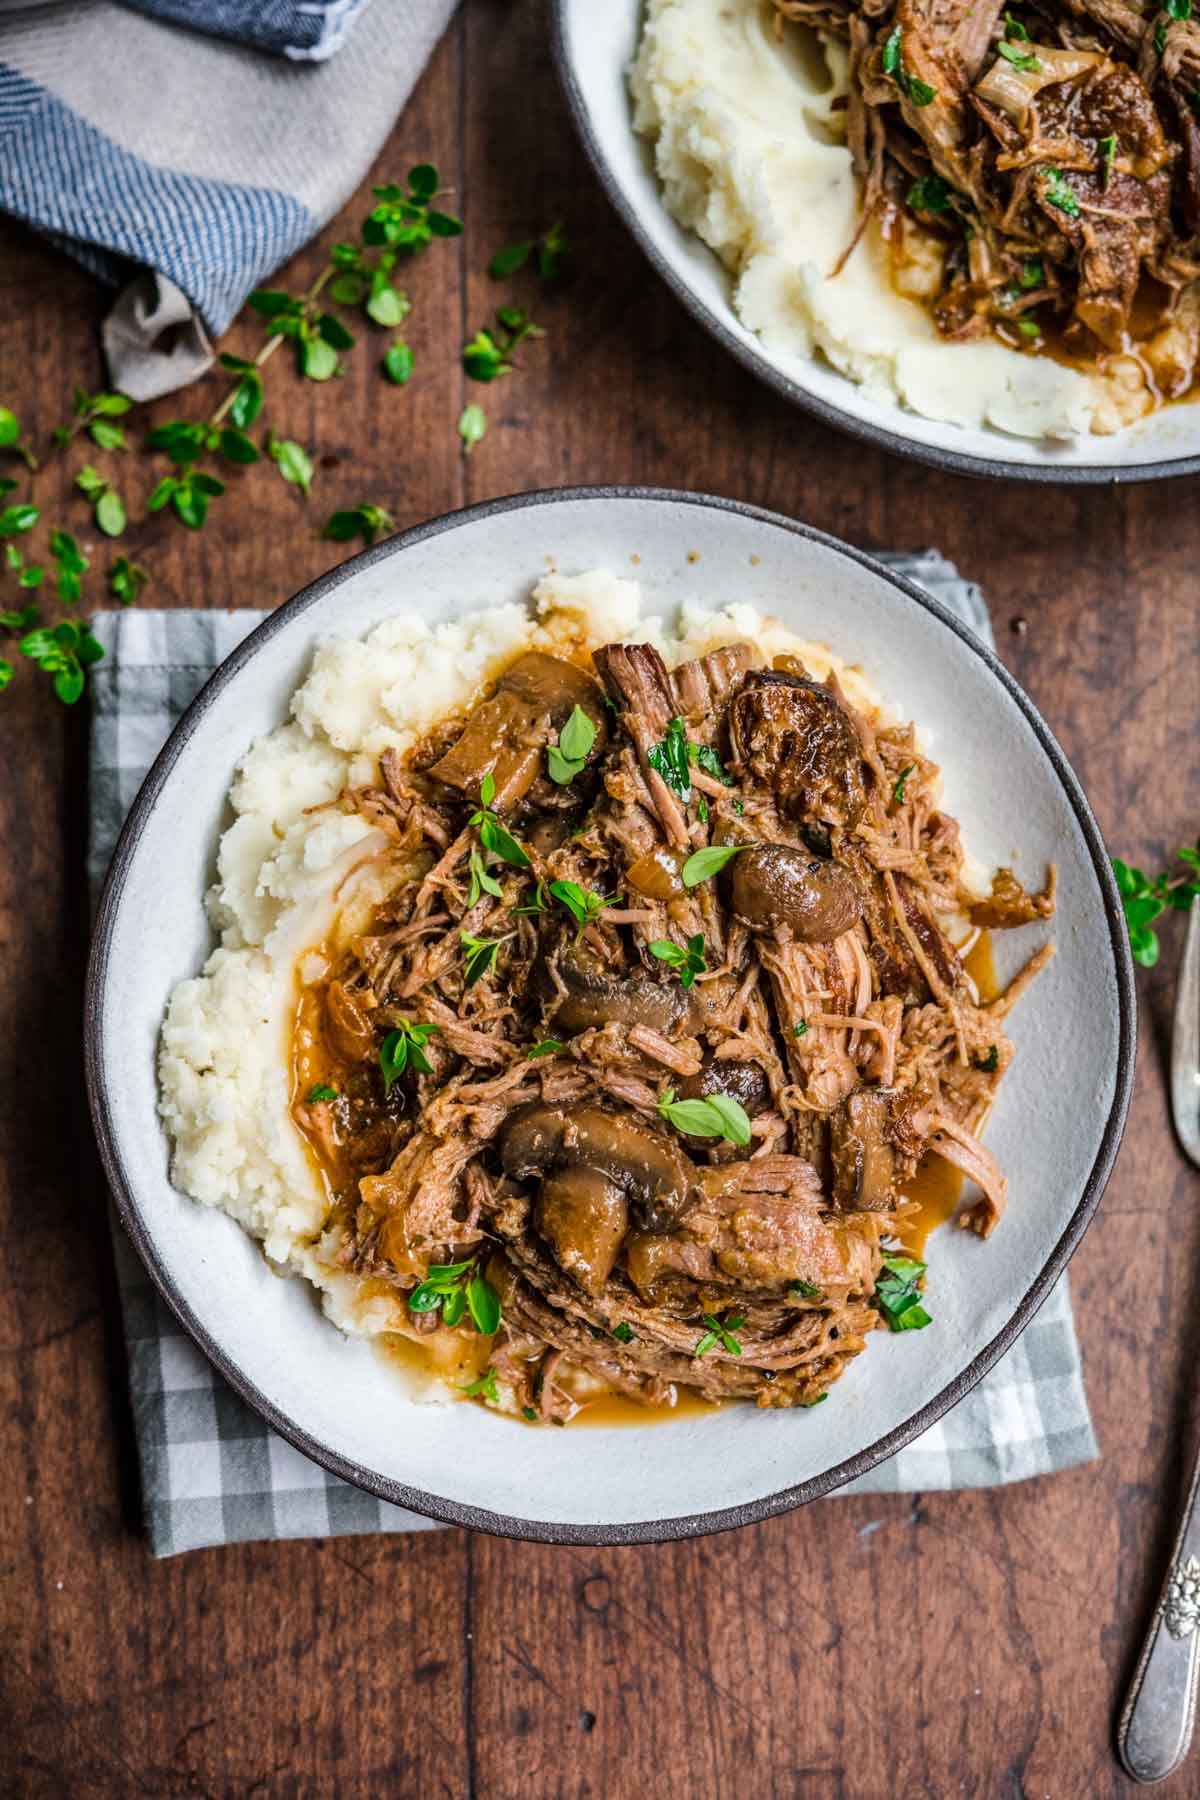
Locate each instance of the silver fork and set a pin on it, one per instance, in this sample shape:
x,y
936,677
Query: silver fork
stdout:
x,y
1155,1730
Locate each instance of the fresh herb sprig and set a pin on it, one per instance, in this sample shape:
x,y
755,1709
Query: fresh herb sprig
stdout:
x,y
911,86
489,353
702,865
719,1116
404,1048
550,252
720,1331
566,759
481,954
690,962
898,1292
492,834
1144,900
583,907
458,1290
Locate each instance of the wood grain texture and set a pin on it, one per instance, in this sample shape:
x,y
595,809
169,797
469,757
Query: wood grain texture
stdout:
x,y
968,1645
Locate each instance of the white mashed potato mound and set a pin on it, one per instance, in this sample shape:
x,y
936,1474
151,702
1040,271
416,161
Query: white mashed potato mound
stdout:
x,y
750,150
285,874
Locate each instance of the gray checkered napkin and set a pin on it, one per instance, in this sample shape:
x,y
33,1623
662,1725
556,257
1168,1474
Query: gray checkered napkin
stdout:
x,y
212,1471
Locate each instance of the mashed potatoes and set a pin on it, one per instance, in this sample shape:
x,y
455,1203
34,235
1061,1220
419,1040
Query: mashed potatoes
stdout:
x,y
749,147
286,873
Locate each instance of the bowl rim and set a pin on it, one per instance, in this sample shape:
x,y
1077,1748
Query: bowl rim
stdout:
x,y
953,462
452,1512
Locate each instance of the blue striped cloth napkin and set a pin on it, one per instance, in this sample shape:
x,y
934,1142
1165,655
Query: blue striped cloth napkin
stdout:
x,y
172,155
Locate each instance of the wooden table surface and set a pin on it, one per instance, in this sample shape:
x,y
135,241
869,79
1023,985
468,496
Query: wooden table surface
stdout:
x,y
943,1644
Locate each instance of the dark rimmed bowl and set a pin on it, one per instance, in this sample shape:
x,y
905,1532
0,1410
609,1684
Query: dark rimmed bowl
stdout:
x,y
593,47
1055,1130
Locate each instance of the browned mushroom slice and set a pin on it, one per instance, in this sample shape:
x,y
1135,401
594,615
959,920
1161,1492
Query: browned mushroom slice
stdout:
x,y
593,998
506,735
745,1082
652,1173
778,884
583,1216
794,736
863,1163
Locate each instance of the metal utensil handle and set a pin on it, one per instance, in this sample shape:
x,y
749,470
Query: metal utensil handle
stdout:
x,y
1155,1730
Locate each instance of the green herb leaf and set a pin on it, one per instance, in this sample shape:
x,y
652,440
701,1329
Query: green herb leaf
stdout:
x,y
1145,900
18,518
10,428
702,865
110,513
583,907
800,1028
805,1290
930,194
991,1062
670,759
566,759
1060,194
483,1304
720,1331
481,881
483,358
1014,31
247,400
716,1117
485,1385
472,426
481,954
1032,274
492,834
1024,60
509,260
318,359
623,1332
107,435
898,1294
901,783
689,962
236,446
547,1047
364,520
398,363
293,462
321,1090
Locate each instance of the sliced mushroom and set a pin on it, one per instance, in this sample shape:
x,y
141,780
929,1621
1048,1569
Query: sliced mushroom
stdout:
x,y
863,1163
505,736
652,1173
594,998
778,884
583,1216
745,1082
794,736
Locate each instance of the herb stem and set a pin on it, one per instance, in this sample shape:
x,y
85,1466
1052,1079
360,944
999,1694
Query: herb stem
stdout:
x,y
272,344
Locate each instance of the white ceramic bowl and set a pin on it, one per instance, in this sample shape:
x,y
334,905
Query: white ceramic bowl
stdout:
x,y
1055,1130
594,45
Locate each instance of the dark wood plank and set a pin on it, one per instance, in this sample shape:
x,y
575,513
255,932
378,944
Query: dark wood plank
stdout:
x,y
965,1644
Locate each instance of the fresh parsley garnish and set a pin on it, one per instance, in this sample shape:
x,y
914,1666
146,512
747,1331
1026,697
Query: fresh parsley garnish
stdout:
x,y
583,907
481,954
1059,193
623,1333
189,494
551,249
930,194
403,1049
547,1047
720,1331
701,865
911,86
458,1288
472,427
669,758
488,354
1024,60
706,758
492,834
897,1293
364,520
406,221
800,1028
902,783
320,1090
108,509
689,962
64,652
1144,900
806,1290
565,760
719,1116
484,1384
